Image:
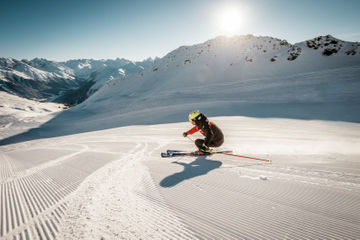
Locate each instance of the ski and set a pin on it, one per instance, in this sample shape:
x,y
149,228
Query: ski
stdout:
x,y
178,153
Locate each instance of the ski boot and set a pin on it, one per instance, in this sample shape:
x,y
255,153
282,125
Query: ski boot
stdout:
x,y
204,151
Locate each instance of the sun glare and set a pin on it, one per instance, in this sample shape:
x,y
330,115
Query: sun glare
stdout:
x,y
229,20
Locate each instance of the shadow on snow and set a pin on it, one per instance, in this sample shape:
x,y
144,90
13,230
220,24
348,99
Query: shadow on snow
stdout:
x,y
200,166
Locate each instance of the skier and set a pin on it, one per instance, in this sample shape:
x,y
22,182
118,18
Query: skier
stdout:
x,y
213,135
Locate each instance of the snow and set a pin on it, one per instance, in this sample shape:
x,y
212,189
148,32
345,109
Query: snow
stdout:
x,y
114,184
85,65
95,172
19,114
121,71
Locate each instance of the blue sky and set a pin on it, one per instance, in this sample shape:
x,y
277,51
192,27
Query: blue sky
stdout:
x,y
62,30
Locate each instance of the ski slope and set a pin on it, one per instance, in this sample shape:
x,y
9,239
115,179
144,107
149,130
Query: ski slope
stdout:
x,y
95,172
18,114
113,184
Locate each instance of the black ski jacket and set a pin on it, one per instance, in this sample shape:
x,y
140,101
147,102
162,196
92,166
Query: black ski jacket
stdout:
x,y
212,133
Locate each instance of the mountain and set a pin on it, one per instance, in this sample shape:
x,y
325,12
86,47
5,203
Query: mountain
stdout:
x,y
237,76
243,75
104,70
68,82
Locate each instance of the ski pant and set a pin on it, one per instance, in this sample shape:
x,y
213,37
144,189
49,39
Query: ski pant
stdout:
x,y
214,143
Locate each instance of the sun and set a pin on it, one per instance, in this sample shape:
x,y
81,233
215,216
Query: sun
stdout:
x,y
229,20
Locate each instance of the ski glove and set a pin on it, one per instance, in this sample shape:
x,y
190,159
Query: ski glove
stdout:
x,y
185,134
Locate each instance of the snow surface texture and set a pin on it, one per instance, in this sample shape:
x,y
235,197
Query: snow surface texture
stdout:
x,y
100,176
113,184
19,114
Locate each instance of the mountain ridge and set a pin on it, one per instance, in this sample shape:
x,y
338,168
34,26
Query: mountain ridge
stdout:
x,y
233,59
46,80
220,70
253,57
221,81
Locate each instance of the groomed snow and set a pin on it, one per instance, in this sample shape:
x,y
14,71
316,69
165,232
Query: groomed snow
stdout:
x,y
113,184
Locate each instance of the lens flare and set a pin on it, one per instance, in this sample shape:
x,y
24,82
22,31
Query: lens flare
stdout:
x,y
229,20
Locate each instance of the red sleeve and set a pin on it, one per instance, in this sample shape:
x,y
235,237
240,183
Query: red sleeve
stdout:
x,y
193,130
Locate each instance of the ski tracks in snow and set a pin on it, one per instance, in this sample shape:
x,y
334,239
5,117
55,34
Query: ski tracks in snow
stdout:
x,y
36,182
83,187
234,201
114,185
114,204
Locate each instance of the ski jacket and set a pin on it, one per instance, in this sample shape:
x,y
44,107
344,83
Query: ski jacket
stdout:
x,y
211,132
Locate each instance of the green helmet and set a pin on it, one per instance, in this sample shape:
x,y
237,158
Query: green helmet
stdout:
x,y
193,115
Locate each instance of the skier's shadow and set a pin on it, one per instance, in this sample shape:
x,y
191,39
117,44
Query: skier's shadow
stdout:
x,y
200,166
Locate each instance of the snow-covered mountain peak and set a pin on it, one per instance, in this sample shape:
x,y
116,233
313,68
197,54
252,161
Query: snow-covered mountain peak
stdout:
x,y
238,70
218,61
234,49
238,50
67,82
329,45
7,62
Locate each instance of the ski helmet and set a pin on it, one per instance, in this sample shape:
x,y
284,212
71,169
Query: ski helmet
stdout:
x,y
193,115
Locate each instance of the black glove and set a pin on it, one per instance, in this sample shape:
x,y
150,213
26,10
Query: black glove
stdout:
x,y
185,134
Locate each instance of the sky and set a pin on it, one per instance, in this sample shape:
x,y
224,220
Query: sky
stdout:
x,y
138,29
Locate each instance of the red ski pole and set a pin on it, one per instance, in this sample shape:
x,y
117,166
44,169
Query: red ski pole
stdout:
x,y
234,155
258,159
